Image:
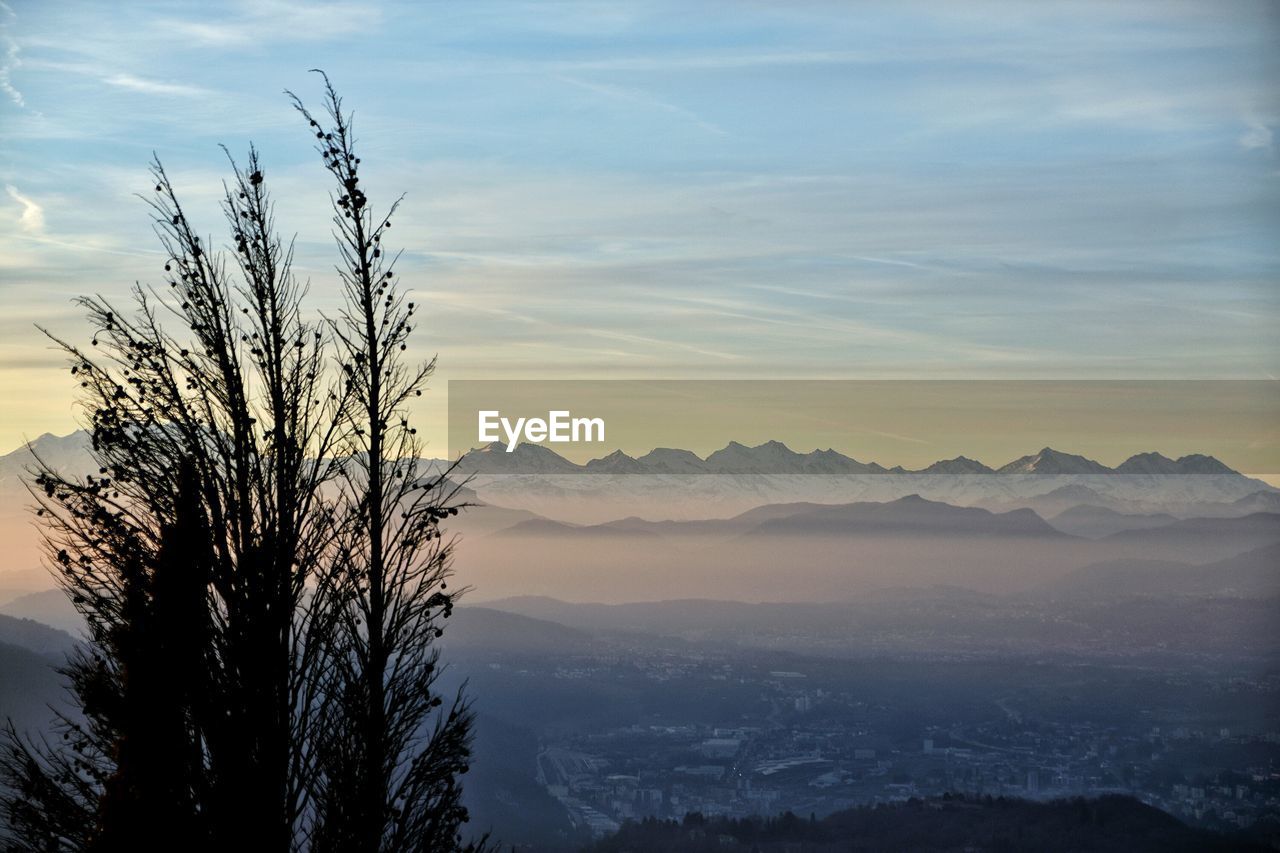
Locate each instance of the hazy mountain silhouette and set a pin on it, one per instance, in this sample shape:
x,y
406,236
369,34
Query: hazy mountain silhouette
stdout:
x,y
1095,522
26,632
29,682
811,551
1052,502
50,607
473,629
912,514
1258,502
65,453
1253,574
1259,528
710,526
548,527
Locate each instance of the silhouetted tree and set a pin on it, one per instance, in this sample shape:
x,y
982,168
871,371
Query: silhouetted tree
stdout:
x,y
391,752
257,623
159,646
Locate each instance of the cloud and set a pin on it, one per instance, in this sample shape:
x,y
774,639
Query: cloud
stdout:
x,y
120,80
278,20
9,62
154,87
638,97
31,219
1258,136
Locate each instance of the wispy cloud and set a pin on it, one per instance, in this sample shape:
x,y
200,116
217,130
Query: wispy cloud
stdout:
x,y
637,97
262,21
154,87
1257,136
10,59
725,60
105,73
89,243
31,219
660,344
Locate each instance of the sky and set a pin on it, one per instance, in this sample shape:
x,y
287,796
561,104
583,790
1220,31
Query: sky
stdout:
x,y
684,190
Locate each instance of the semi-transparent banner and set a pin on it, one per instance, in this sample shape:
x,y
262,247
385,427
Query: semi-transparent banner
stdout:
x,y
1189,427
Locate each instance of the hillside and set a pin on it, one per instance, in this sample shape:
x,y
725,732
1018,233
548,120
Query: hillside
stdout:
x,y
910,515
1096,522
35,636
29,682
1253,574
50,607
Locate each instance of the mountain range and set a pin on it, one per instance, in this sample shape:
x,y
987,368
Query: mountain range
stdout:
x,y
835,523
72,451
682,484
774,457
819,551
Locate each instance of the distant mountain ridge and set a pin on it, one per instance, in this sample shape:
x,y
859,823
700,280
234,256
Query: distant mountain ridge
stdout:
x,y
910,515
1097,522
771,457
774,457
1254,573
1050,461
534,481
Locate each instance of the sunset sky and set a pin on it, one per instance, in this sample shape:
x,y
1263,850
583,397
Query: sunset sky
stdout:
x,y
685,190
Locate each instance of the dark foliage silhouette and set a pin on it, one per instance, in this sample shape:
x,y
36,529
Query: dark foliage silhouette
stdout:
x,y
258,560
937,825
